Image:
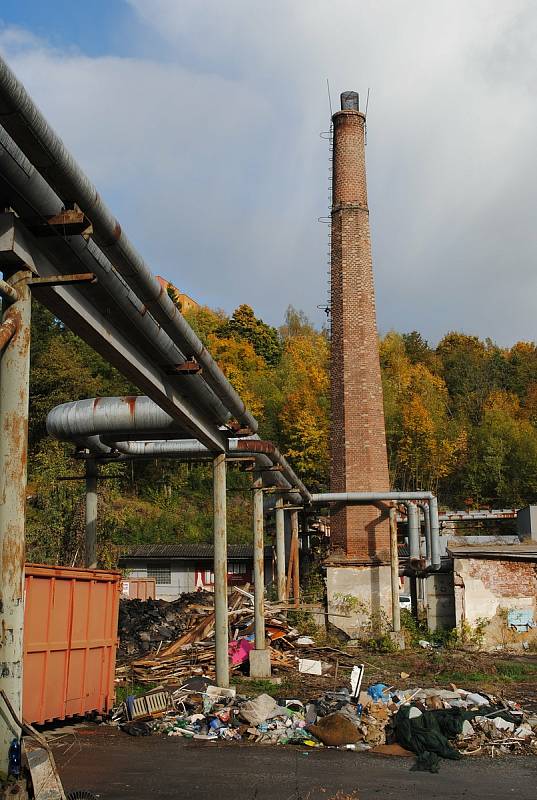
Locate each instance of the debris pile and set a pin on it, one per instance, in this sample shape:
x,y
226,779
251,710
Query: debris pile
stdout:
x,y
173,644
176,640
427,723
144,625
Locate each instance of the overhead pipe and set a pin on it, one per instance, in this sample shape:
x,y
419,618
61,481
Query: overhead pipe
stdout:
x,y
29,129
101,424
360,498
44,203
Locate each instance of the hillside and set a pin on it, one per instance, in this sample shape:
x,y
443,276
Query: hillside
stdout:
x,y
461,420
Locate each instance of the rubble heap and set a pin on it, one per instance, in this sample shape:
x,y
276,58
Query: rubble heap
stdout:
x,y
426,723
143,625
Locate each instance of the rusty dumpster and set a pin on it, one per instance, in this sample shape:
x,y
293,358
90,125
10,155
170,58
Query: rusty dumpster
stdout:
x,y
70,640
138,588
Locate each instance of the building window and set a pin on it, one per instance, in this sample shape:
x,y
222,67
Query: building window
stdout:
x,y
162,574
237,568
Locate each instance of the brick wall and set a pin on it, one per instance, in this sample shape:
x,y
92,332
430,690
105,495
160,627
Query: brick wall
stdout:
x,y
505,578
358,438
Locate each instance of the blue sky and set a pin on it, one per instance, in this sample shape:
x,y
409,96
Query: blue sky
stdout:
x,y
199,122
72,24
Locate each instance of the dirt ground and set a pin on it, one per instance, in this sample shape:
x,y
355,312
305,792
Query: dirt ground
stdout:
x,y
118,767
513,677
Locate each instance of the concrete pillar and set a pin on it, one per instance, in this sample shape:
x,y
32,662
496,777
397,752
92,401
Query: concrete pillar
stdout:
x,y
280,550
220,570
90,553
14,391
394,571
260,656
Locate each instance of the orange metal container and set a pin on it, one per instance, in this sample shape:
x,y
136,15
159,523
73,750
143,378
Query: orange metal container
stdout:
x,y
70,640
138,588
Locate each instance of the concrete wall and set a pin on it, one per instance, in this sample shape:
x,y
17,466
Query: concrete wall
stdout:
x,y
488,589
182,578
356,596
439,601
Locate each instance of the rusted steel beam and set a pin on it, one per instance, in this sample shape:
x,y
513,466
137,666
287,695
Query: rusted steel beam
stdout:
x,y
65,280
70,222
220,570
14,391
186,368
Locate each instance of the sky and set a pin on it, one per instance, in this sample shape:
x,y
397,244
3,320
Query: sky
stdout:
x,y
199,121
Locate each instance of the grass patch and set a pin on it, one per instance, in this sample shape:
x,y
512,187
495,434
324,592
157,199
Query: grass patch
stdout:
x,y
257,686
459,678
516,670
136,689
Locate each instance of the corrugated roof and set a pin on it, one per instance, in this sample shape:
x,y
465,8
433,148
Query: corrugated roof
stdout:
x,y
187,550
525,551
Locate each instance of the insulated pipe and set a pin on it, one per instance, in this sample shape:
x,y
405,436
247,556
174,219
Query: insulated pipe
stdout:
x,y
280,549
14,396
435,534
25,123
254,445
220,571
44,203
349,498
394,571
427,520
92,474
413,531
259,565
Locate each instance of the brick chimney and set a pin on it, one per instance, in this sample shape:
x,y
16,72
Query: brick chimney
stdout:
x,y
358,437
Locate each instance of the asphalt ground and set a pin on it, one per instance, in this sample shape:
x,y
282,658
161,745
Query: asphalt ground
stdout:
x,y
116,766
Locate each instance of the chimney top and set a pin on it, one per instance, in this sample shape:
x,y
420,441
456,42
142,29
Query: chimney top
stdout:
x,y
350,101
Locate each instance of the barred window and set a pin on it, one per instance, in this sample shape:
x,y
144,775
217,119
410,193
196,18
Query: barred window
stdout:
x,y
162,574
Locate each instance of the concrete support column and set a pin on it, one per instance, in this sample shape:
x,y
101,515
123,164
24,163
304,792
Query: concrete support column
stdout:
x,y
220,570
90,553
296,554
280,550
14,391
394,570
260,656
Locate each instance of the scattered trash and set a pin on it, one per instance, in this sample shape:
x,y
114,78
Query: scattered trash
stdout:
x,y
176,642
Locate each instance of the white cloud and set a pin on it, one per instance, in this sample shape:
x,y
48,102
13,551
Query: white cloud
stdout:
x,y
208,149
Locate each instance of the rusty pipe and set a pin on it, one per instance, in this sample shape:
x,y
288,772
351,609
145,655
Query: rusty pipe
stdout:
x,y
8,293
8,329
